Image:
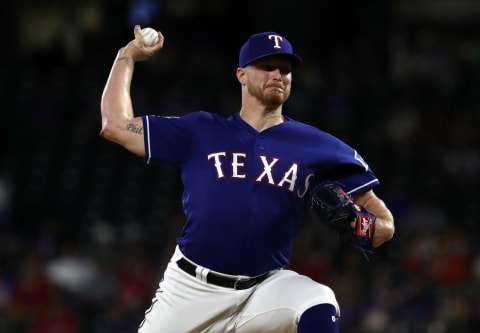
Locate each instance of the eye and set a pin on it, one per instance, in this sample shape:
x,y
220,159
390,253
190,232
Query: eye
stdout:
x,y
265,67
285,69
270,68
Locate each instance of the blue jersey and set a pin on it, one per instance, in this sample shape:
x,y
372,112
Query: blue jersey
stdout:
x,y
244,190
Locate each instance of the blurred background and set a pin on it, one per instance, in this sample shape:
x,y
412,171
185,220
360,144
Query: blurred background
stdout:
x,y
86,228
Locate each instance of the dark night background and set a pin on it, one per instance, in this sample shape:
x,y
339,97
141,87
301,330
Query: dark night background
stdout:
x,y
86,228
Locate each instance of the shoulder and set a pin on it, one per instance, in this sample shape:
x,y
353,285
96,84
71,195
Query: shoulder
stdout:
x,y
202,115
188,117
310,130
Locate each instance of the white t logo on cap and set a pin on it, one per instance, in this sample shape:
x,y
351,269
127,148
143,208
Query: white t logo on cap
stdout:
x,y
277,40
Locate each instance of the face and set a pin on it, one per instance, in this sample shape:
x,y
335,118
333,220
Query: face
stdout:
x,y
269,80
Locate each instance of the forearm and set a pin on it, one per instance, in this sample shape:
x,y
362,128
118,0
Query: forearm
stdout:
x,y
384,230
116,103
384,225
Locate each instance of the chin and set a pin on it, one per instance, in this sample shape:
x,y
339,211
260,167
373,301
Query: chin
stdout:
x,y
275,100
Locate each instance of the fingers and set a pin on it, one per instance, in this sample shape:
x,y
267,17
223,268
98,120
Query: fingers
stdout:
x,y
161,39
137,31
138,49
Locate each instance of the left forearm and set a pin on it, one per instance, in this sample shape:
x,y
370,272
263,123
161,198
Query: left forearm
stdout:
x,y
384,225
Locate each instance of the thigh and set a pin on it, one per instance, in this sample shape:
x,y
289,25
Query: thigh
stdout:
x,y
278,302
184,304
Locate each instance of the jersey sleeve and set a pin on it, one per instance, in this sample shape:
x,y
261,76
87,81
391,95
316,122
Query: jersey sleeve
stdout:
x,y
167,139
352,171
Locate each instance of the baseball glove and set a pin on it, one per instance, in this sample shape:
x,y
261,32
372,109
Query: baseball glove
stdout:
x,y
336,209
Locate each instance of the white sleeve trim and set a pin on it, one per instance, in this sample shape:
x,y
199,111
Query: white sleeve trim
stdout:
x,y
362,186
149,150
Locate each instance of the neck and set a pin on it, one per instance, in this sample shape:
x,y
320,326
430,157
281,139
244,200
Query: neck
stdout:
x,y
262,120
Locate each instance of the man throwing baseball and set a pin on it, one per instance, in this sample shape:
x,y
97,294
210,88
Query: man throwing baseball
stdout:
x,y
247,182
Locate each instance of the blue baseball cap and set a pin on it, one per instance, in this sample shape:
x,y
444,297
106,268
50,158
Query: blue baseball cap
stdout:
x,y
266,44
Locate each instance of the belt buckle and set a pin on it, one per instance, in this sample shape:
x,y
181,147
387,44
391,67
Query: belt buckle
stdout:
x,y
248,283
235,284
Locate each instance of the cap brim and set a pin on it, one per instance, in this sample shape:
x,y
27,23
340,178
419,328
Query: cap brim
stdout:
x,y
294,59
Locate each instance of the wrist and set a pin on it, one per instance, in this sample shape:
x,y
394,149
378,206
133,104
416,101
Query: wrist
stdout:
x,y
123,55
125,59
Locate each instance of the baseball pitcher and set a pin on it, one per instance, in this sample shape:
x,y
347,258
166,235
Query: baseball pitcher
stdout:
x,y
248,179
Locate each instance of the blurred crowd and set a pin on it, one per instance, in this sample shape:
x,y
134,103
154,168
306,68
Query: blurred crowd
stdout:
x,y
86,228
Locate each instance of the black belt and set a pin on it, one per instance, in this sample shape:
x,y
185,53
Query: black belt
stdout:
x,y
220,280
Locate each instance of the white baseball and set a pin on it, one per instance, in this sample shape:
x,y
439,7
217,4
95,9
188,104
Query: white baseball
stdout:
x,y
150,36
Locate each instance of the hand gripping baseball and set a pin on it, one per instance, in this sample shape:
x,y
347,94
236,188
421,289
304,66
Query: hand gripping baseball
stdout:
x,y
337,210
139,49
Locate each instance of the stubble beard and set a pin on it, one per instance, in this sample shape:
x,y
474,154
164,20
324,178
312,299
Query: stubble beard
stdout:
x,y
272,99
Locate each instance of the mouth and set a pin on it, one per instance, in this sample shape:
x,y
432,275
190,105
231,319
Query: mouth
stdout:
x,y
275,87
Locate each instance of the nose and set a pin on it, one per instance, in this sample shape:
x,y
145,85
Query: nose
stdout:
x,y
277,73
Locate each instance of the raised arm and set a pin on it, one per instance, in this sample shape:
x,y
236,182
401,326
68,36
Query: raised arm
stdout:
x,y
119,124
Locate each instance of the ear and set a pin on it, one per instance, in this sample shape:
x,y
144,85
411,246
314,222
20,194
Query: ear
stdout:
x,y
241,76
